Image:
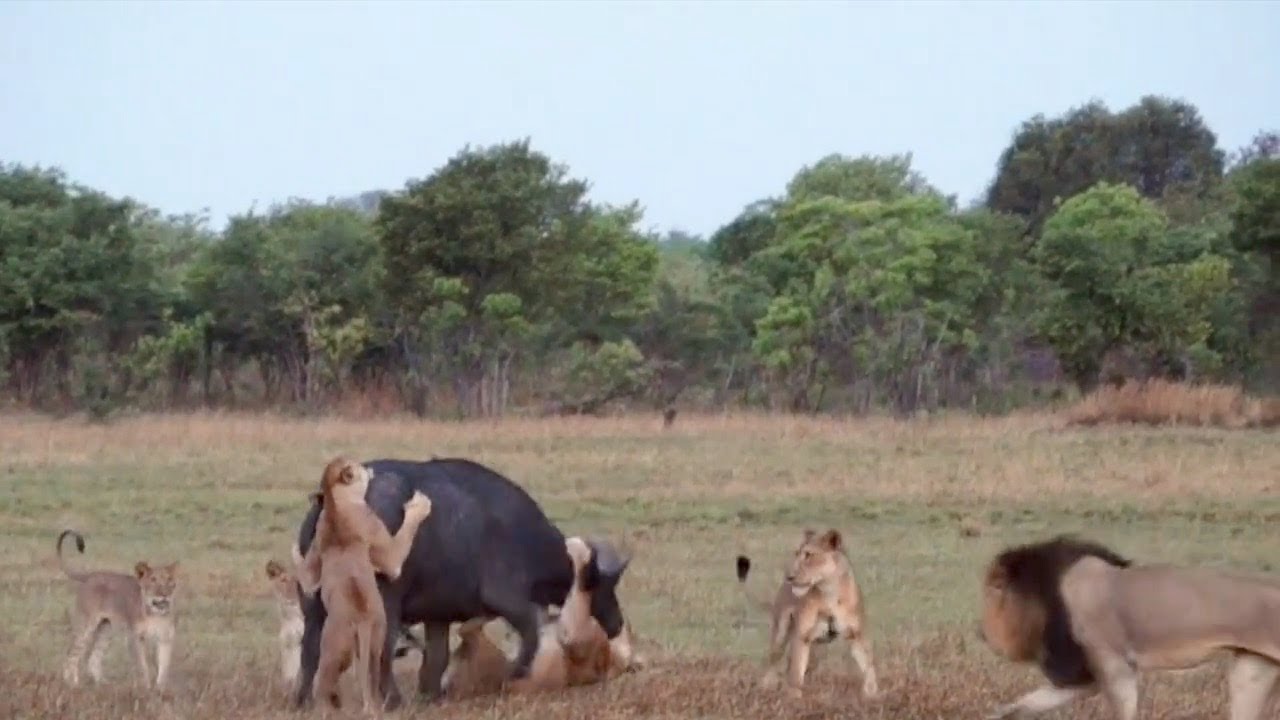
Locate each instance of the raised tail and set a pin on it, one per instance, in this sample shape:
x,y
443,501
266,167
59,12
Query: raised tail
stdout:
x,y
79,546
744,568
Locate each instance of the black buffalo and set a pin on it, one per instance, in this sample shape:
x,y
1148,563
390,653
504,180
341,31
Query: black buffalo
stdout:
x,y
486,550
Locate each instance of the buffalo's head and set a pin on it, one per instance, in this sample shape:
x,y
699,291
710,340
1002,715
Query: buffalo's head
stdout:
x,y
605,572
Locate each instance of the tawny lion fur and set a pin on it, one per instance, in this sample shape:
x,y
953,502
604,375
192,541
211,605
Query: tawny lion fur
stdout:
x,y
572,649
284,588
1093,622
141,605
818,601
350,544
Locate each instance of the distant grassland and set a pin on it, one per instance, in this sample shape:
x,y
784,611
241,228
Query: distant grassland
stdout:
x,y
922,505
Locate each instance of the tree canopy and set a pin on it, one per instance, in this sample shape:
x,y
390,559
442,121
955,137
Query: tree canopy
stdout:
x,y
496,284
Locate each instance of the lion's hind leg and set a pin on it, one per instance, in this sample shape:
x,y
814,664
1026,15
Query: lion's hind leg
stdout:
x,y
97,649
779,630
861,652
1251,680
337,646
87,635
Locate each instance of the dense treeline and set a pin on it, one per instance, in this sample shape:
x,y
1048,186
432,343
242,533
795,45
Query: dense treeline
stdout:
x,y
1108,245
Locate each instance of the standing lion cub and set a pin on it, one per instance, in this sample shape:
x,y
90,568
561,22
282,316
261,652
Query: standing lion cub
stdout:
x,y
140,605
350,544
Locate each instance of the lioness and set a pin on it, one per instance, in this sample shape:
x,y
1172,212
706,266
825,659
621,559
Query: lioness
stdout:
x,y
141,605
284,587
572,649
818,601
350,543
1093,621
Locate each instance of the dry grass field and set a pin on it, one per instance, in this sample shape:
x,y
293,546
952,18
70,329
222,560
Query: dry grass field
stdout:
x,y
923,505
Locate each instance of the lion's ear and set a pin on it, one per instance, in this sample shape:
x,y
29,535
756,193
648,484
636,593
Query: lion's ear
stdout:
x,y
348,473
274,569
142,569
832,539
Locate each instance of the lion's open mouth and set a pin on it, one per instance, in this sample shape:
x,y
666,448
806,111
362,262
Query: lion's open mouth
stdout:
x,y
159,605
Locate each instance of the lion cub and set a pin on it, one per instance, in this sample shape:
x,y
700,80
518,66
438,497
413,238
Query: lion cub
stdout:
x,y
819,600
350,544
572,649
141,605
284,586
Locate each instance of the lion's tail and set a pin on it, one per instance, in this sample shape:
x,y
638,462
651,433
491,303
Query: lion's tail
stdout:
x,y
77,576
744,567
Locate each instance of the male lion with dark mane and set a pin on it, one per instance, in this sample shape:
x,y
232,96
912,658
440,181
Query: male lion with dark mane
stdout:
x,y
1093,621
818,601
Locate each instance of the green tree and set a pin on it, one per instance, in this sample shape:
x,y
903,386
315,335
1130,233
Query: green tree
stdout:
x,y
1159,146
880,292
859,178
1255,233
78,283
746,234
296,291
1117,277
506,219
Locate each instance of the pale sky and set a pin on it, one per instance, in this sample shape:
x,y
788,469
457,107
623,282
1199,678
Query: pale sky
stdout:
x,y
694,109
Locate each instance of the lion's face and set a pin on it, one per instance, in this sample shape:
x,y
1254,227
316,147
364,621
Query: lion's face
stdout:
x,y
346,479
158,586
283,583
814,561
1012,623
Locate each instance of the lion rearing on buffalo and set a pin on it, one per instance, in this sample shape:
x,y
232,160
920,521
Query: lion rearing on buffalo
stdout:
x,y
1092,621
350,544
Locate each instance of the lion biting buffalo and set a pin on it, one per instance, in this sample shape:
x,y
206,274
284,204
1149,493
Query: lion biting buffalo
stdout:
x,y
486,551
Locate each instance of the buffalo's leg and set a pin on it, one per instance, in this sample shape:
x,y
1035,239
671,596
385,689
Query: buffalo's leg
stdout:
x,y
506,595
390,692
523,618
313,616
435,658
